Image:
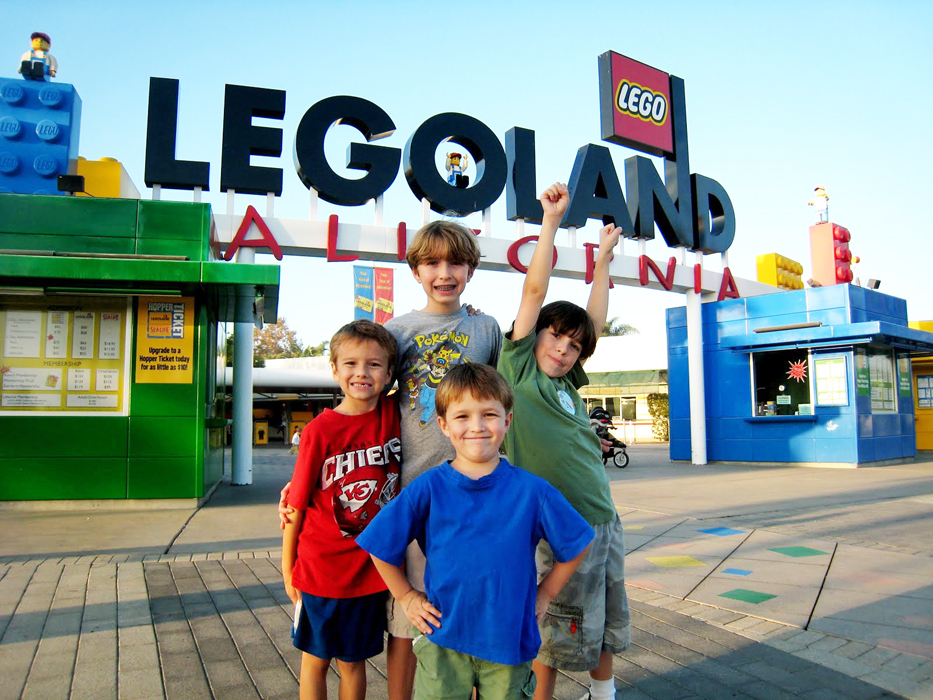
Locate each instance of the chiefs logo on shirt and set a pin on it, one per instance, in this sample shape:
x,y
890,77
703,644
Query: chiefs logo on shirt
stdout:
x,y
360,496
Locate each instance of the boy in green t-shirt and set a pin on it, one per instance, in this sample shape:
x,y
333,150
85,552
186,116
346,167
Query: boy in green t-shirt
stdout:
x,y
550,436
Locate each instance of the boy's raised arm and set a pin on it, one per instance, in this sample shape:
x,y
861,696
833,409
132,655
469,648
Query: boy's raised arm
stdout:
x,y
597,308
554,201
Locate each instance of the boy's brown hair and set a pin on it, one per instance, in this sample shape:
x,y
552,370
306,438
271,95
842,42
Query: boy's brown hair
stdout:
x,y
443,240
360,330
478,380
569,319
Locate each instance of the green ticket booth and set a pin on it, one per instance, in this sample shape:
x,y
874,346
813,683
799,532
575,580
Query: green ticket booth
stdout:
x,y
113,316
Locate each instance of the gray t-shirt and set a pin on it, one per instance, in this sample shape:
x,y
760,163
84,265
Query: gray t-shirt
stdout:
x,y
428,344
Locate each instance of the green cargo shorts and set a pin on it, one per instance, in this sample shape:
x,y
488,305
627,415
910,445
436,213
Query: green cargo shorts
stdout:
x,y
444,674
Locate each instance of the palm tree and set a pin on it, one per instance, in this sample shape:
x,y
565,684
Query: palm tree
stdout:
x,y
614,327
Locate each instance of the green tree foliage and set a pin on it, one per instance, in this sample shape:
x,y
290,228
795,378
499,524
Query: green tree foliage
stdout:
x,y
659,409
257,361
316,350
276,340
614,327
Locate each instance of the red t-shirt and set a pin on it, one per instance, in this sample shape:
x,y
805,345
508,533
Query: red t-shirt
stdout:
x,y
347,470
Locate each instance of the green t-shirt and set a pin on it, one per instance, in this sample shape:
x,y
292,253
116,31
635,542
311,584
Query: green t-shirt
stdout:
x,y
550,433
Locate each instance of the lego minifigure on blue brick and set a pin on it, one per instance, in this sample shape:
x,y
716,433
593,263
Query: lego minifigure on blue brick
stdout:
x,y
37,63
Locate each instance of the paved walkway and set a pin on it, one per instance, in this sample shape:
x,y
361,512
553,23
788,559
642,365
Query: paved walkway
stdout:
x,y
745,582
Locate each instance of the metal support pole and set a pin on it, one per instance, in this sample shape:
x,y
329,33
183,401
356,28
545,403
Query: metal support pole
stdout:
x,y
696,380
243,379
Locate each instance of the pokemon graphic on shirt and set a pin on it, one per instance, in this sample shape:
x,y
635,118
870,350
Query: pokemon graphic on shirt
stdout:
x,y
433,355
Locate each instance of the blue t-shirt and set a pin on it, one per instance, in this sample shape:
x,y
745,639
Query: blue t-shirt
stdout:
x,y
479,538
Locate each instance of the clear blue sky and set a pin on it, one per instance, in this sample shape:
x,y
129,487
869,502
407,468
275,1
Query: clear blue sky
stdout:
x,y
781,97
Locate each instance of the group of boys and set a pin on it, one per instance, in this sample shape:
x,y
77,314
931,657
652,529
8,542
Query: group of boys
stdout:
x,y
486,576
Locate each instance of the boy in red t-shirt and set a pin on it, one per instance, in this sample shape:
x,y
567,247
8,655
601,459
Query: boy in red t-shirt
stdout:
x,y
347,470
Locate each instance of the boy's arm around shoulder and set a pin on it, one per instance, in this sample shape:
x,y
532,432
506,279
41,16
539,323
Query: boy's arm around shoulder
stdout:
x,y
554,202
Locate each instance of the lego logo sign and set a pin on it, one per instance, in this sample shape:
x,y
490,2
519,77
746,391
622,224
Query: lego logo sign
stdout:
x,y
641,102
635,104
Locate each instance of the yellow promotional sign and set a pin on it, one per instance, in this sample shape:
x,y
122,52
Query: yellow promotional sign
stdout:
x,y
165,340
63,356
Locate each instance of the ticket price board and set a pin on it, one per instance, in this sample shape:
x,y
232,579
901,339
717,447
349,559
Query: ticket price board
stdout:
x,y
63,356
165,340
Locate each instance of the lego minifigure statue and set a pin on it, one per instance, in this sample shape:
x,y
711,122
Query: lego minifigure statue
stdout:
x,y
821,204
36,63
456,164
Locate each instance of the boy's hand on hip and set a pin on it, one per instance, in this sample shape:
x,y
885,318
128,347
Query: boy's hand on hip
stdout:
x,y
555,200
542,602
420,612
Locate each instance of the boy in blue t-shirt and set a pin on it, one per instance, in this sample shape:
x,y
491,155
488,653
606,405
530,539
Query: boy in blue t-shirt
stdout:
x,y
478,520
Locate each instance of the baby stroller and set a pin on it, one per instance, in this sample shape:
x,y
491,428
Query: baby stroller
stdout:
x,y
600,422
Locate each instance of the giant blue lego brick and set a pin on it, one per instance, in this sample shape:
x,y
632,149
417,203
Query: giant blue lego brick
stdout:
x,y
779,303
39,130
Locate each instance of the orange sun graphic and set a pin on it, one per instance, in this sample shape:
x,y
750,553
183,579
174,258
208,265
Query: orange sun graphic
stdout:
x,y
798,370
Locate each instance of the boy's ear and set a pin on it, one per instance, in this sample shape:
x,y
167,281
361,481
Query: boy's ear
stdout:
x,y
443,425
333,370
508,420
470,276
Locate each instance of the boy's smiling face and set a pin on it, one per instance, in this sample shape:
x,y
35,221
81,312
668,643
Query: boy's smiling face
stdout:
x,y
362,370
476,428
443,282
556,353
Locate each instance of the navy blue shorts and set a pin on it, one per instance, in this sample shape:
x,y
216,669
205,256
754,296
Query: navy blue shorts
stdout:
x,y
347,629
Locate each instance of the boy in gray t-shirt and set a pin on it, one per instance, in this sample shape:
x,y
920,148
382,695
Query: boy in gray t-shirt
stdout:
x,y
442,256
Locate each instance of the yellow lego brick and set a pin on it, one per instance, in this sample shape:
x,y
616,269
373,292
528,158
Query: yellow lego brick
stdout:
x,y
106,178
779,271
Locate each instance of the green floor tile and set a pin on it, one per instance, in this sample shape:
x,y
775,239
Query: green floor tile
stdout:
x,y
747,596
798,551
675,562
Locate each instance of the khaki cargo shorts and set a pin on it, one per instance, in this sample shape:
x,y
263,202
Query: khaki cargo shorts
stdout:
x,y
590,615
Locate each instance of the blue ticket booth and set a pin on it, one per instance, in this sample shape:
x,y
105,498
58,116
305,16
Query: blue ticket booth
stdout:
x,y
817,376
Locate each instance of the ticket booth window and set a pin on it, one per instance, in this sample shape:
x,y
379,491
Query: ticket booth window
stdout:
x,y
782,383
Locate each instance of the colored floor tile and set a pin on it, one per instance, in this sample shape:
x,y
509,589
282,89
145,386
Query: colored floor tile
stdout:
x,y
722,531
675,562
737,572
633,527
798,551
747,596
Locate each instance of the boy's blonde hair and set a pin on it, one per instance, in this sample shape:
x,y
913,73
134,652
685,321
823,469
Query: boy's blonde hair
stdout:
x,y
444,240
478,380
360,330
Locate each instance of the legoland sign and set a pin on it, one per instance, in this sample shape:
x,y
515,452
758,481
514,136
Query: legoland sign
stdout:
x,y
641,108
